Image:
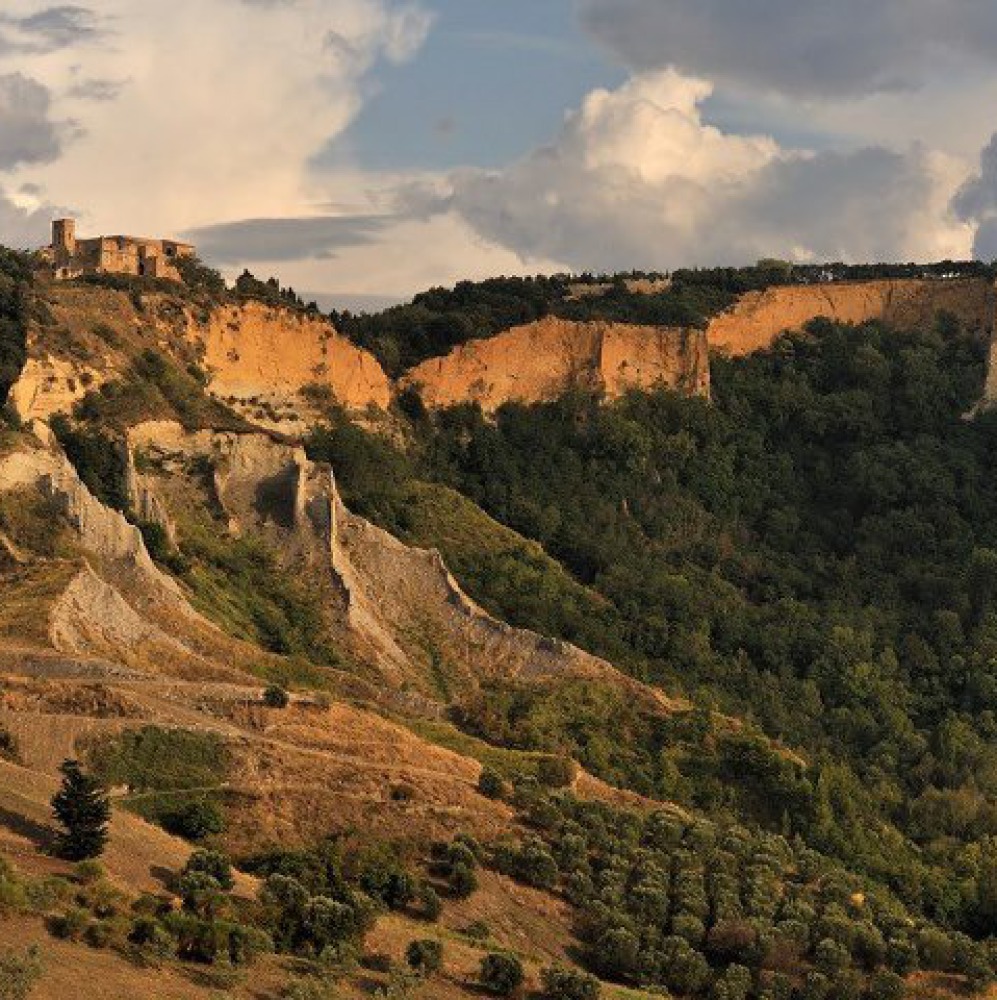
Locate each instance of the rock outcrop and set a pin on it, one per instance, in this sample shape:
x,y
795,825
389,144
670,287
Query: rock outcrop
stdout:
x,y
258,357
51,385
400,607
266,354
543,360
758,318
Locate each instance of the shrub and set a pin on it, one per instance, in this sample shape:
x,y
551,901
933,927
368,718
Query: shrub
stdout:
x,y
884,985
383,878
328,922
617,954
425,956
276,696
9,749
463,880
13,892
151,939
430,904
70,925
195,820
831,957
732,940
935,949
478,931
530,862
201,894
901,955
198,940
83,809
308,989
377,962
88,872
501,974
560,983
685,969
101,933
733,984
214,864
491,784
18,973
556,772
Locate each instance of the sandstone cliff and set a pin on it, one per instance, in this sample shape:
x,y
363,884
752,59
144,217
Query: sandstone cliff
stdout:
x,y
254,351
258,357
541,361
759,317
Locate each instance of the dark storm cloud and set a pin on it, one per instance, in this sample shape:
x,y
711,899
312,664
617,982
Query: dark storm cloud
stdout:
x,y
27,134
799,47
97,90
285,239
976,202
22,229
47,30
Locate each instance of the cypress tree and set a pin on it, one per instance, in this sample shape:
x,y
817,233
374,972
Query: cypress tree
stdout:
x,y
83,809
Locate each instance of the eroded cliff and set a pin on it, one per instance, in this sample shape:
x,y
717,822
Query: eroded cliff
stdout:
x,y
397,607
541,361
256,353
265,361
759,318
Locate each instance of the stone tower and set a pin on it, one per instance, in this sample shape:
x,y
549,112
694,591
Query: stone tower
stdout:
x,y
64,237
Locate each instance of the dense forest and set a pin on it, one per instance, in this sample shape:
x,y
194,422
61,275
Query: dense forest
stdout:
x,y
815,552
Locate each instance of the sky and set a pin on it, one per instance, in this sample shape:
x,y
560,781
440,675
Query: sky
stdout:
x,y
362,150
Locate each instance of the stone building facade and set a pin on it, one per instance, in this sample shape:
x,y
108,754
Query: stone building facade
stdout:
x,y
72,258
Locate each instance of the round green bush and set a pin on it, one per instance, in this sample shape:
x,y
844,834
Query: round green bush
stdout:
x,y
425,956
501,974
491,784
195,821
276,697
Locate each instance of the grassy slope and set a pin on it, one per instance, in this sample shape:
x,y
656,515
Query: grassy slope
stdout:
x,y
511,577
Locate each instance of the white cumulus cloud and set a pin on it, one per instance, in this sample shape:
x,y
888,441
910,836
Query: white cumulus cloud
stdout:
x,y
637,178
211,112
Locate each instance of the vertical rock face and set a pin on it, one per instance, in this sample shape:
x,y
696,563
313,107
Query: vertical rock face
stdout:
x,y
256,354
543,360
758,318
256,350
642,358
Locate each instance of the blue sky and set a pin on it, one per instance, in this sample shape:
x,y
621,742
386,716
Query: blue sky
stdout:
x,y
492,81
362,150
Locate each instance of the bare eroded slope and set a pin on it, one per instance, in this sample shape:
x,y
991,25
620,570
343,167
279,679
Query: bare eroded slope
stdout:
x,y
759,318
543,360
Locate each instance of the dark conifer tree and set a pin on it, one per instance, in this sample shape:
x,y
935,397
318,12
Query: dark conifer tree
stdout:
x,y
83,809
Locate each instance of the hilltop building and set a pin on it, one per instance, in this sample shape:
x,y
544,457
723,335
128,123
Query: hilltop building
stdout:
x,y
72,258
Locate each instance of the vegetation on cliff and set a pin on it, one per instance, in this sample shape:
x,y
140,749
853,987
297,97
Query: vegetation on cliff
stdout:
x,y
15,280
813,553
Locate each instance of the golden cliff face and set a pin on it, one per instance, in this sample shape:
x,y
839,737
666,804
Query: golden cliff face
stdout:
x,y
256,350
257,356
261,358
759,318
543,360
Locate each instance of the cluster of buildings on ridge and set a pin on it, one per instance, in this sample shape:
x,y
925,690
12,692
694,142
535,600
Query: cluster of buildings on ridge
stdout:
x,y
71,257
